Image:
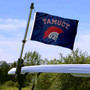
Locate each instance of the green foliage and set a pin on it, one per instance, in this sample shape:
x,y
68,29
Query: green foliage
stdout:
x,y
55,61
16,84
13,65
76,57
32,58
9,83
88,60
4,73
29,78
49,81
44,81
44,62
65,81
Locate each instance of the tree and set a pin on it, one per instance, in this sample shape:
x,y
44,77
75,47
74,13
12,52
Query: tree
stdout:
x,y
44,81
44,62
4,73
32,58
14,65
55,61
76,57
67,81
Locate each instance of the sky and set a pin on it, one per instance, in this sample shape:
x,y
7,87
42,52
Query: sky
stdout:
x,y
13,20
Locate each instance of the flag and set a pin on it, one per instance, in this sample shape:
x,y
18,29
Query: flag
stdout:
x,y
54,30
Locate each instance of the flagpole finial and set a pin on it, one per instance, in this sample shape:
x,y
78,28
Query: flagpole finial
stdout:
x,y
32,5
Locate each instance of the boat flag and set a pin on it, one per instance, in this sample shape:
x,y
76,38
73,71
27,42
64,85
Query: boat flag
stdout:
x,y
54,30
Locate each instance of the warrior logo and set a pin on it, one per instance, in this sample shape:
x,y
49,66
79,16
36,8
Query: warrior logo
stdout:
x,y
52,33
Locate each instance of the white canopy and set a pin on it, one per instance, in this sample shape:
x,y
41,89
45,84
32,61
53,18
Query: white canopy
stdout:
x,y
79,70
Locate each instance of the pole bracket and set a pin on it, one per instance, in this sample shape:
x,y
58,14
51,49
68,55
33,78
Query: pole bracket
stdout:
x,y
24,41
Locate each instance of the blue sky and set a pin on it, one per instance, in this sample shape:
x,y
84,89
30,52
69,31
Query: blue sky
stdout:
x,y
13,19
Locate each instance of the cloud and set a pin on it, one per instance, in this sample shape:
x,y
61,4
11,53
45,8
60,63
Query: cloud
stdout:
x,y
12,24
12,32
83,42
9,50
83,37
46,51
13,28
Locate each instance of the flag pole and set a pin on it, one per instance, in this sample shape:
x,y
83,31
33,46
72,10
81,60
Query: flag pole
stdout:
x,y
20,60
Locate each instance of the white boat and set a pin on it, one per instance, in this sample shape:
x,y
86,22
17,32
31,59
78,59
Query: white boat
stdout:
x,y
78,70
